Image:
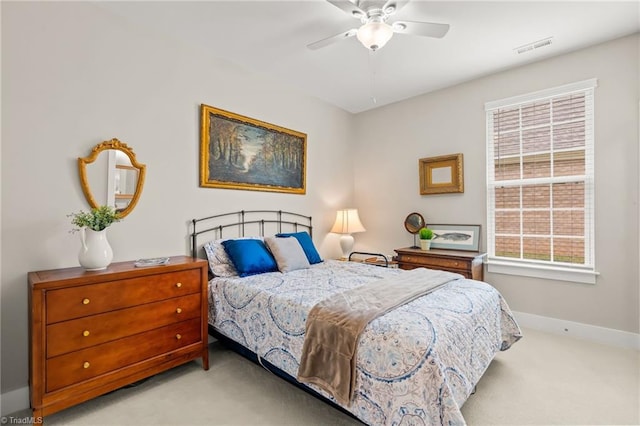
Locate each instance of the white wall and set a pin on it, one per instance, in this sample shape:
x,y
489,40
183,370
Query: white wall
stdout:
x,y
74,75
452,120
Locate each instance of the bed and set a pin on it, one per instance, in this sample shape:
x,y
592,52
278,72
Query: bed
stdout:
x,y
414,364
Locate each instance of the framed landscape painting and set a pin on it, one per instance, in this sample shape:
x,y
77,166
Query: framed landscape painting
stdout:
x,y
238,152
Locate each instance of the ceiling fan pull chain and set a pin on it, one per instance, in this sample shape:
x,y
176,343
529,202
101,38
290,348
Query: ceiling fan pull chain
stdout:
x,y
373,76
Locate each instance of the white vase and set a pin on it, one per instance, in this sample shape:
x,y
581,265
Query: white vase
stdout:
x,y
425,244
95,253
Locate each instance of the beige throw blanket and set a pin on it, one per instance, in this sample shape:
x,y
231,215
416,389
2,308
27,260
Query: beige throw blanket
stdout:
x,y
334,326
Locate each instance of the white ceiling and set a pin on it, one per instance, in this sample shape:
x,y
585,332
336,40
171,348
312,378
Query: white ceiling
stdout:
x,y
270,38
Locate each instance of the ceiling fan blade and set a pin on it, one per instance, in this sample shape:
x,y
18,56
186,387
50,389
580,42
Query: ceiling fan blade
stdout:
x,y
333,39
349,7
396,4
425,29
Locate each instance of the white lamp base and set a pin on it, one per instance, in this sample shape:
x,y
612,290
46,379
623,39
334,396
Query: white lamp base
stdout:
x,y
346,244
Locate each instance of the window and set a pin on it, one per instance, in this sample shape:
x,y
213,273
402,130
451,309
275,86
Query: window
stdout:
x,y
540,184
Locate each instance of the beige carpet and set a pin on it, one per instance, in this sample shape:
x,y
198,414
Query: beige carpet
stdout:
x,y
543,379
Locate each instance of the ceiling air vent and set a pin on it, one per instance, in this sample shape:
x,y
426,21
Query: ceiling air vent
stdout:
x,y
535,45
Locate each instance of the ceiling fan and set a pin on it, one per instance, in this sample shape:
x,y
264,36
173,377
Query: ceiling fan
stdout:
x,y
375,31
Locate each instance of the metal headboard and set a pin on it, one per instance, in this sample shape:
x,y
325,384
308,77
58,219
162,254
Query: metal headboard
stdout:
x,y
253,219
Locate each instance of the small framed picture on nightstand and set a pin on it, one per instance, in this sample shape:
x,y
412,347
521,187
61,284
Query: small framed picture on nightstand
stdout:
x,y
455,237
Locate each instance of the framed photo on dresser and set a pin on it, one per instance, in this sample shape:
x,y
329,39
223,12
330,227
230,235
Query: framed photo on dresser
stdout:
x,y
455,237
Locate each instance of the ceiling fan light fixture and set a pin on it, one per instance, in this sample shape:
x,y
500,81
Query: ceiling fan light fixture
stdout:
x,y
374,35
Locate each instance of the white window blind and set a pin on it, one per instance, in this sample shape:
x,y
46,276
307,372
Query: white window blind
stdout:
x,y
540,180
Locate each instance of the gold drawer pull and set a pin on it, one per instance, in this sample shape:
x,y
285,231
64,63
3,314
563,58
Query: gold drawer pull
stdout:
x,y
179,310
86,364
178,336
178,285
85,301
85,333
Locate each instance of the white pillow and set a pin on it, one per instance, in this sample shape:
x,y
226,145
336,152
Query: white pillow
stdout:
x,y
219,262
288,253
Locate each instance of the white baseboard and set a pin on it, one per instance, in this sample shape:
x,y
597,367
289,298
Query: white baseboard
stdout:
x,y
593,333
14,401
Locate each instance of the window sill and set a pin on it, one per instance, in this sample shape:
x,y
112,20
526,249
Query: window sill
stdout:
x,y
585,276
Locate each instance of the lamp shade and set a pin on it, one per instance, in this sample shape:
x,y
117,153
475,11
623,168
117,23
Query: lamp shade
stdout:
x,y
374,35
347,222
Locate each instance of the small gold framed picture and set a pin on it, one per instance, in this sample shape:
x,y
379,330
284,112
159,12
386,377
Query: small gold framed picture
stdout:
x,y
441,175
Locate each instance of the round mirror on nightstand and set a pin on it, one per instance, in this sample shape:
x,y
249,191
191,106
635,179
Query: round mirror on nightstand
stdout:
x,y
413,223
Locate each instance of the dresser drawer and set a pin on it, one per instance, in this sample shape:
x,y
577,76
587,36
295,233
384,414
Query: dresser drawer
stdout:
x,y
437,262
81,365
468,264
76,302
72,335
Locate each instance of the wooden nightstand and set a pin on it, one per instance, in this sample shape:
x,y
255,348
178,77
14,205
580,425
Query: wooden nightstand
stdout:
x,y
94,332
467,263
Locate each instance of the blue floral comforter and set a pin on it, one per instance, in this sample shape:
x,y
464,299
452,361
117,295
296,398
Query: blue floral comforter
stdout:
x,y
415,365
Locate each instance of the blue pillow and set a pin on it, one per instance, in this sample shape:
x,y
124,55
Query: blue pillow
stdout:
x,y
250,257
307,245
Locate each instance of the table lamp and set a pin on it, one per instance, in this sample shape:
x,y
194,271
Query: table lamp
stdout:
x,y
347,223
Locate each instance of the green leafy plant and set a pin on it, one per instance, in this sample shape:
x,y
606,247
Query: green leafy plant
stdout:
x,y
97,219
426,234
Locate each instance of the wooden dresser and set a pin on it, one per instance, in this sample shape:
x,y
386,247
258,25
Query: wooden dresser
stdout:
x,y
93,332
467,263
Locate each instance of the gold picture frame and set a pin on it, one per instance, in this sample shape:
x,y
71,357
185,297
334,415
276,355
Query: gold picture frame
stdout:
x,y
238,152
441,175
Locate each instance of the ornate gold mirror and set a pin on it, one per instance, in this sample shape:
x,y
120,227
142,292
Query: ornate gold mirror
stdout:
x,y
412,224
112,176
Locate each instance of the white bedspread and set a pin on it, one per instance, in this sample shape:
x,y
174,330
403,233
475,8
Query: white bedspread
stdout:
x,y
416,364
